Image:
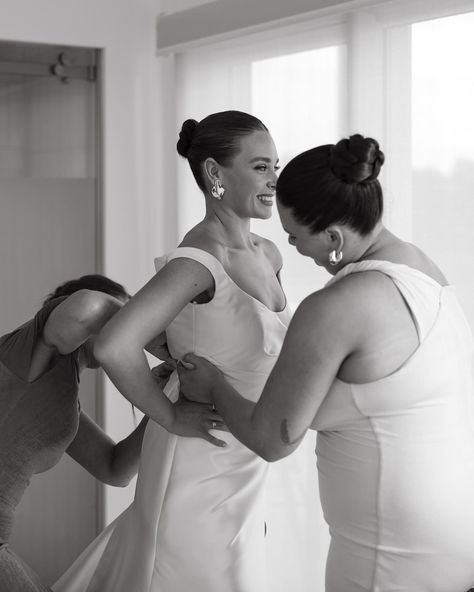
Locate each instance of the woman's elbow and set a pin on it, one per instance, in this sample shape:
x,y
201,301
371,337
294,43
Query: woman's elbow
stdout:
x,y
271,452
117,475
114,480
118,480
105,351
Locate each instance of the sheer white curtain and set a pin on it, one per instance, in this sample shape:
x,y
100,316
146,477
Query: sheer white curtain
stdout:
x,y
443,149
397,71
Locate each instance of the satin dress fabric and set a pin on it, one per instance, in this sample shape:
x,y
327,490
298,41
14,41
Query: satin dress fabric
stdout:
x,y
396,456
199,515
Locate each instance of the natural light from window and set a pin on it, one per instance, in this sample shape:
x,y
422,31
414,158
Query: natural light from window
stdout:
x,y
443,92
300,98
443,148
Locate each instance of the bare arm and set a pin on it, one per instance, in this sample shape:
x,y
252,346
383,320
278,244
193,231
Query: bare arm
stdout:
x,y
120,346
70,325
78,317
111,463
321,335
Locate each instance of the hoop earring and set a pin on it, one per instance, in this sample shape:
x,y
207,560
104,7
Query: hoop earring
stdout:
x,y
217,190
335,257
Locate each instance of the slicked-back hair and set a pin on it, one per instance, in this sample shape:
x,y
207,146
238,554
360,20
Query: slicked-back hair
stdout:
x,y
216,136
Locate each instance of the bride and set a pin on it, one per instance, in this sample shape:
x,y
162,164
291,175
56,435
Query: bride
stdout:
x,y
198,518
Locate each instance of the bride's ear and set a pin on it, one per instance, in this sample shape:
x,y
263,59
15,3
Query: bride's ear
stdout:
x,y
211,170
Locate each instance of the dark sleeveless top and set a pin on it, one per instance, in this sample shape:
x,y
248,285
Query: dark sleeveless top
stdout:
x,y
38,419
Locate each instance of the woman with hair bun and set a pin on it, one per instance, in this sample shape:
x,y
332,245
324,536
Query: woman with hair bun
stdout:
x,y
379,362
198,519
40,415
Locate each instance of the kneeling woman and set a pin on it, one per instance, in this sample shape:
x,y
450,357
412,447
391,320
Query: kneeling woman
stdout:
x,y
40,416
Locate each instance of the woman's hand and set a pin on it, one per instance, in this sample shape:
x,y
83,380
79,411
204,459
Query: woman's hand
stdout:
x,y
163,371
198,377
158,347
195,420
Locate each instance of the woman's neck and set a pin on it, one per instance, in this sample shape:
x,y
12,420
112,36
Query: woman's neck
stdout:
x,y
229,229
378,242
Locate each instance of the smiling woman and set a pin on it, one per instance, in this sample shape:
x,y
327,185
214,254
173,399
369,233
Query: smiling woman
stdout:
x,y
218,293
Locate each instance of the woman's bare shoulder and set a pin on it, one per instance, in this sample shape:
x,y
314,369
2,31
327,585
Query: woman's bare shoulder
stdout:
x,y
200,237
347,311
351,295
405,253
425,264
270,250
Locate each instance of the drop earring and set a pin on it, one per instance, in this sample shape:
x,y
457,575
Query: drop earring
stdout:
x,y
217,190
335,257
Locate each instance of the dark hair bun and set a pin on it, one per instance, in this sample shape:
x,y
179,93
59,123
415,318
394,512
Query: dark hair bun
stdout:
x,y
356,160
186,137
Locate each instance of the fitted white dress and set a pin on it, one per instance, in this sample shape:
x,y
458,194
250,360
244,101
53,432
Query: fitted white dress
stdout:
x,y
198,518
396,457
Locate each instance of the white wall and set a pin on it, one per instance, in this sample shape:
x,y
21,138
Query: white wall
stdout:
x,y
172,6
189,21
125,30
126,33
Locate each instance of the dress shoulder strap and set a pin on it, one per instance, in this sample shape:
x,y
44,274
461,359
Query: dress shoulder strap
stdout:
x,y
203,257
421,292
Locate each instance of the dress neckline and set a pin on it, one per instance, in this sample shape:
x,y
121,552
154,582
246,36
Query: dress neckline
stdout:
x,y
237,285
30,383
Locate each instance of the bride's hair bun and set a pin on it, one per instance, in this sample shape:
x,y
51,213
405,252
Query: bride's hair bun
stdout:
x,y
186,136
356,160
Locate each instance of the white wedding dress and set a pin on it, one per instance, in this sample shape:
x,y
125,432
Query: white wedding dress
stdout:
x,y
199,515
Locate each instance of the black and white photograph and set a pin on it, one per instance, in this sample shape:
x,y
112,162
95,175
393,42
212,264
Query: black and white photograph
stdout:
x,y
236,296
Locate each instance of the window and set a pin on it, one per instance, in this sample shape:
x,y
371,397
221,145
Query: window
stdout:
x,y
442,96
398,71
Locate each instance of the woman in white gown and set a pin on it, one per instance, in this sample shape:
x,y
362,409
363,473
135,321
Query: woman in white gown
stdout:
x,y
380,363
198,519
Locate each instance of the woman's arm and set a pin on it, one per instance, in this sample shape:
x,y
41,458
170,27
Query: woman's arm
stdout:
x,y
158,347
119,348
321,335
70,325
111,463
78,317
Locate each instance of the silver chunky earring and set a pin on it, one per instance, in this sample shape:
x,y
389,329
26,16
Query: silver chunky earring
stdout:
x,y
217,190
335,257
